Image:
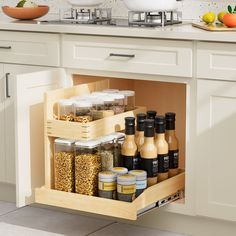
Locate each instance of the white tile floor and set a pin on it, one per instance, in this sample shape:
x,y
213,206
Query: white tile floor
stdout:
x,y
31,221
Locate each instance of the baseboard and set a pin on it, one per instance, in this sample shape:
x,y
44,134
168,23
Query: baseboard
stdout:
x,y
7,192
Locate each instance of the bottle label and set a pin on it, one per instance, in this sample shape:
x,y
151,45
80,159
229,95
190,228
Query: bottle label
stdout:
x,y
131,162
107,186
150,165
126,189
173,159
141,184
163,161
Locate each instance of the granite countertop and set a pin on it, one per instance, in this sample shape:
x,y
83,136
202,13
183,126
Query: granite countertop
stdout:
x,y
184,31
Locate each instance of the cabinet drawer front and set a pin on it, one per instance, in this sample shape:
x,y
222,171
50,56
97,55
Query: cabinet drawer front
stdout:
x,y
216,61
29,48
170,58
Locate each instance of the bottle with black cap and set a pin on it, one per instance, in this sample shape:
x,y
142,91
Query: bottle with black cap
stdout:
x,y
151,115
129,147
148,153
173,144
139,134
162,149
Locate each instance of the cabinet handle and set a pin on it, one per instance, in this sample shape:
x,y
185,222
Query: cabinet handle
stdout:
x,y
7,85
5,47
122,55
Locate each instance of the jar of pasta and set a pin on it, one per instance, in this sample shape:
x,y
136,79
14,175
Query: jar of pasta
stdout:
x,y
82,111
65,110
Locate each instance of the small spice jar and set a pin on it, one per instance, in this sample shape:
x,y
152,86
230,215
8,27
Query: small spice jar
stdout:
x,y
64,165
129,99
97,108
108,105
141,180
82,111
126,187
65,110
120,170
87,167
119,103
107,184
118,141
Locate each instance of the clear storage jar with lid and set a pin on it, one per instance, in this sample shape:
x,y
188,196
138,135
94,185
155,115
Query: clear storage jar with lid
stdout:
x,y
111,91
65,110
118,141
119,102
64,165
129,99
107,184
82,111
87,167
108,105
126,187
141,180
97,108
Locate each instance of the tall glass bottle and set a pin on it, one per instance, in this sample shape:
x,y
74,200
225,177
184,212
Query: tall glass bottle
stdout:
x,y
139,134
129,147
148,153
173,144
162,149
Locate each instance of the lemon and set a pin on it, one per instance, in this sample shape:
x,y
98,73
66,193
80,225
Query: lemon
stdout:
x,y
209,17
221,15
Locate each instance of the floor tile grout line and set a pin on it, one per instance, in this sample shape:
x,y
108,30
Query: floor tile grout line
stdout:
x,y
11,211
105,226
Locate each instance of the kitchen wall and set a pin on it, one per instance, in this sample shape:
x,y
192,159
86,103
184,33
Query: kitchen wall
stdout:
x,y
191,9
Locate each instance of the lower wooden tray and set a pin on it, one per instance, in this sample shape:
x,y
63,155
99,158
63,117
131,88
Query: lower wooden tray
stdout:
x,y
109,207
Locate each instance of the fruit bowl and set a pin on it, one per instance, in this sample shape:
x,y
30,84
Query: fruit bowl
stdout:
x,y
25,13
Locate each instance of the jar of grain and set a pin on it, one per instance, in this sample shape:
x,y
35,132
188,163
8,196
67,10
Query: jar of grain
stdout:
x,y
141,180
107,184
126,187
65,110
118,141
97,108
119,102
120,170
87,167
82,111
64,165
129,99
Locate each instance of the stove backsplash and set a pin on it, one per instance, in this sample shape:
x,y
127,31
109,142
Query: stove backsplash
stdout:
x,y
191,9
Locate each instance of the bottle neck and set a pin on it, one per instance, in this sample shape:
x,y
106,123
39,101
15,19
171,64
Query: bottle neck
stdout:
x,y
160,136
140,133
148,140
129,137
170,132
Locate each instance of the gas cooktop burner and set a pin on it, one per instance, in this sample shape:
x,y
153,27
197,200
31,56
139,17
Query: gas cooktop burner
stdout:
x,y
86,15
154,18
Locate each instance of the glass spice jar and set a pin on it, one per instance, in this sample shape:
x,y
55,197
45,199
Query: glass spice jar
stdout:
x,y
65,110
87,167
82,111
119,103
64,165
107,184
126,187
118,141
97,108
141,180
108,106
129,99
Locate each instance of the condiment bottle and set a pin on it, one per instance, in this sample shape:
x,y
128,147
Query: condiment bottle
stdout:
x,y
173,144
162,149
148,153
151,115
129,147
139,134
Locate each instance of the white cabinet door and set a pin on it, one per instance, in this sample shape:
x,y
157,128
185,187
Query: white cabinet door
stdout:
x,y
29,92
216,159
2,127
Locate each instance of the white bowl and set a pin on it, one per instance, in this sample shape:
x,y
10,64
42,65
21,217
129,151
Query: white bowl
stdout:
x,y
151,5
85,3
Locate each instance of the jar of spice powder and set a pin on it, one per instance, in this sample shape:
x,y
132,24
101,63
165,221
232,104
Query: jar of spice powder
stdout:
x,y
141,180
120,170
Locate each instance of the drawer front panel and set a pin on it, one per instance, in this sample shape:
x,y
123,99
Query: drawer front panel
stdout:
x,y
216,61
30,48
147,56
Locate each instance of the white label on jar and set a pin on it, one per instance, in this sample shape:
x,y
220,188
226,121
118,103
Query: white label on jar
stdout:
x,y
142,184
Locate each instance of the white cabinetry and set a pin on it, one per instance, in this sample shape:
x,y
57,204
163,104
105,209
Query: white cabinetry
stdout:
x,y
216,161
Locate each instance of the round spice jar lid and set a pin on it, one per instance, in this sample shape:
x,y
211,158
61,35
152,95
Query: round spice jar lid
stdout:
x,y
139,174
107,176
126,179
120,170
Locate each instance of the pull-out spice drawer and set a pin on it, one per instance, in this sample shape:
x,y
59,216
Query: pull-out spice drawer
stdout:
x,y
216,61
147,56
30,48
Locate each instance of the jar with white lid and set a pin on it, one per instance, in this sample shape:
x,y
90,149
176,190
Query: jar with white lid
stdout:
x,y
99,94
141,180
97,108
126,187
108,105
107,184
118,141
119,102
64,165
82,111
87,167
65,110
129,99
